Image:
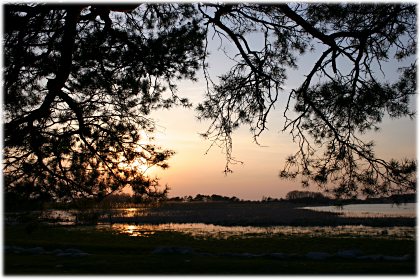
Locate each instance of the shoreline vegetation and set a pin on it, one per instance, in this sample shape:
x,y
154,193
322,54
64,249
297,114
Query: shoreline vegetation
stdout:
x,y
250,214
262,214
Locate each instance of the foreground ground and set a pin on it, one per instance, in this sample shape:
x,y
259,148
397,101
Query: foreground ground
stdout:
x,y
105,252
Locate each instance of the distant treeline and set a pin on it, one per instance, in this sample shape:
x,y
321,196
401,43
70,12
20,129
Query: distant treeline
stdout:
x,y
303,197
205,198
15,203
291,196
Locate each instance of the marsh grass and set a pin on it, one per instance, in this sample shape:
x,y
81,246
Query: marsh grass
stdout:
x,y
112,253
250,214
216,213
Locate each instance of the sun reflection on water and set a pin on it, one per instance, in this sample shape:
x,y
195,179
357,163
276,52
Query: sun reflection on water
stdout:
x,y
132,212
133,230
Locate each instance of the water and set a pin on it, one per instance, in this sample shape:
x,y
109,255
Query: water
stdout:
x,y
370,210
200,230
69,217
72,217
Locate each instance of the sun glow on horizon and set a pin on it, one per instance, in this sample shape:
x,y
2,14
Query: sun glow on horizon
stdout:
x,y
143,168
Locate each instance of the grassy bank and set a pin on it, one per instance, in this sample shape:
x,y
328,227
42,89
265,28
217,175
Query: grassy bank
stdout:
x,y
111,253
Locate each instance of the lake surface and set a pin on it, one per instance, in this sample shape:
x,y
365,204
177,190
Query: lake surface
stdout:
x,y
201,230
130,220
370,210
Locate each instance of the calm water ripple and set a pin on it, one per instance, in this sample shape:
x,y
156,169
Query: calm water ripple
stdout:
x,y
370,210
200,230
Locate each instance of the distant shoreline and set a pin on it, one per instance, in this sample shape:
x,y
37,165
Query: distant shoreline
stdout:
x,y
261,214
252,214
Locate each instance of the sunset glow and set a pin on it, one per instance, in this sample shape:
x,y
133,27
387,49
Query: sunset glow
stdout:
x,y
192,171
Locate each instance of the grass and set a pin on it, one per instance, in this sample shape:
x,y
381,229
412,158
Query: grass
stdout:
x,y
121,254
182,264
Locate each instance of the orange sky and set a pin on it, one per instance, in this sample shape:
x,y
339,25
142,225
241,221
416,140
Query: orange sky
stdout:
x,y
192,172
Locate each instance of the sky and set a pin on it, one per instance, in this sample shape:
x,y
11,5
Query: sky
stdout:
x,y
194,171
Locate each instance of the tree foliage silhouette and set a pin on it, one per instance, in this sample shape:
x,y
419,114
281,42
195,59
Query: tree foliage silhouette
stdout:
x,y
79,84
81,80
341,97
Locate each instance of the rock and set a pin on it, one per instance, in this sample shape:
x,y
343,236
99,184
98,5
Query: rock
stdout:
x,y
349,254
249,255
294,256
277,255
35,251
16,250
83,254
65,254
70,252
370,257
73,251
229,254
205,254
241,255
20,250
317,255
9,249
173,250
163,250
56,251
183,250
397,258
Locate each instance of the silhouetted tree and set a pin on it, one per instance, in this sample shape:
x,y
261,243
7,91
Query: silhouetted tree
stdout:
x,y
307,197
200,197
80,81
234,199
294,195
175,199
269,199
343,95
